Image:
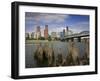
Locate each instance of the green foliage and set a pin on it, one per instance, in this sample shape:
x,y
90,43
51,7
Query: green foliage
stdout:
x,y
49,38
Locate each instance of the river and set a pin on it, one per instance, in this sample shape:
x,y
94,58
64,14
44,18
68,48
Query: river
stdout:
x,y
30,62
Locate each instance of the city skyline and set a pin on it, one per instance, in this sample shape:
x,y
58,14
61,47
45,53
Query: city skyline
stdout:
x,y
56,22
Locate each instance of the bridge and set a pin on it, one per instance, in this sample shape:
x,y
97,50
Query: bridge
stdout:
x,y
78,36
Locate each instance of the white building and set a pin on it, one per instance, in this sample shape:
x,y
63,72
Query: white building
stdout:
x,y
29,35
53,35
58,34
68,32
37,35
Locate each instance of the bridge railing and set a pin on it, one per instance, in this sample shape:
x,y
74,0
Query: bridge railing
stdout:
x,y
75,35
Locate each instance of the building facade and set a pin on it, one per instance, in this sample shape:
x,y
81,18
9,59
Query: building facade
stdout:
x,y
46,32
68,32
32,35
53,35
37,34
64,32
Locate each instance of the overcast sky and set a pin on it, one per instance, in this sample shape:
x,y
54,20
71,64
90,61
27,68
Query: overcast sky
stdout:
x,y
56,22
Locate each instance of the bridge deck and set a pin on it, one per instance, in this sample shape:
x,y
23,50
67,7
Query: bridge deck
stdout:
x,y
76,36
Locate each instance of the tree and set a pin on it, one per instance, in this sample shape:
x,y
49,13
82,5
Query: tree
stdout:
x,y
49,38
41,38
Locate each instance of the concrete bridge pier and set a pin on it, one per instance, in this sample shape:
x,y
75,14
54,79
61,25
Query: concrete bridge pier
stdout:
x,y
72,39
67,40
79,39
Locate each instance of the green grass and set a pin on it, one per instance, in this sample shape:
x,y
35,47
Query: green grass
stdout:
x,y
39,41
35,41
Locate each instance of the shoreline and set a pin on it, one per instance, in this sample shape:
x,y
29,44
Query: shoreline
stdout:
x,y
39,41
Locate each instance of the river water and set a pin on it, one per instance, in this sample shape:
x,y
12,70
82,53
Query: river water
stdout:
x,y
58,46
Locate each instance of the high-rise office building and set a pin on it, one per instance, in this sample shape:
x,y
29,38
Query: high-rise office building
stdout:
x,y
64,32
67,29
46,32
38,29
38,32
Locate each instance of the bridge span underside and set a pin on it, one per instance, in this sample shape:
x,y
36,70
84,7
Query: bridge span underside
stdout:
x,y
72,37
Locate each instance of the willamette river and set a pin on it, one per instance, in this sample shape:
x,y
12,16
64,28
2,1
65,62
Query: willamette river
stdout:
x,y
30,62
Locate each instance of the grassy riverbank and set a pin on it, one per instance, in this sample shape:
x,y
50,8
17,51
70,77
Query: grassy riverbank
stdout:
x,y
35,41
38,41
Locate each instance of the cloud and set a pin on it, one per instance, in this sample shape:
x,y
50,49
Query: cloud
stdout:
x,y
46,18
55,22
80,26
54,18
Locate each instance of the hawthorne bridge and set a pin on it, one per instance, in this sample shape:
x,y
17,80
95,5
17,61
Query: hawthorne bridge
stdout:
x,y
73,36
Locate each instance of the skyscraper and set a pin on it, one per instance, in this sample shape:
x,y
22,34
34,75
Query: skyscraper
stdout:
x,y
38,32
38,29
64,32
46,32
67,30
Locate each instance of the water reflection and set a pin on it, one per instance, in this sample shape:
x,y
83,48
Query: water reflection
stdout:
x,y
56,53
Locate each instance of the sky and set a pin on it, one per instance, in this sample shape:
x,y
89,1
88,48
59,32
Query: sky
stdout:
x,y
56,22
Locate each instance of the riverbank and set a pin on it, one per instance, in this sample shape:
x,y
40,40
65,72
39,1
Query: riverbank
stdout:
x,y
38,41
